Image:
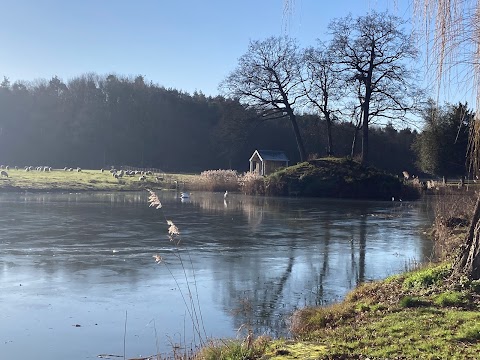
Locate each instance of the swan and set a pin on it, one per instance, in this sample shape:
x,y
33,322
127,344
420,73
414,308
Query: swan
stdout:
x,y
226,194
184,195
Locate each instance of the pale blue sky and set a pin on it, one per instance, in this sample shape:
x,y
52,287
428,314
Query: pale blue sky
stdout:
x,y
188,45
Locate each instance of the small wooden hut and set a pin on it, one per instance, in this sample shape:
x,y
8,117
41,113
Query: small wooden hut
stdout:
x,y
264,162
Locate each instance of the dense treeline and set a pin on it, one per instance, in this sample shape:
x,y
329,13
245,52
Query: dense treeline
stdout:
x,y
97,121
441,148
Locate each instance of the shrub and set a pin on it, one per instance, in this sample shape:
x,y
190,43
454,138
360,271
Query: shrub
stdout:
x,y
427,277
411,302
362,307
450,298
475,286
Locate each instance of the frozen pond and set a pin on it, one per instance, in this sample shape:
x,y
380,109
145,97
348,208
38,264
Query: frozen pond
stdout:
x,y
76,268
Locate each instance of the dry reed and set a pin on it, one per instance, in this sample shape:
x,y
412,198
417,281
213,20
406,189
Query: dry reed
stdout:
x,y
190,294
215,180
251,183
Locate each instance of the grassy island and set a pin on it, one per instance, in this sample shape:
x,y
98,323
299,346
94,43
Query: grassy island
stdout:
x,y
337,178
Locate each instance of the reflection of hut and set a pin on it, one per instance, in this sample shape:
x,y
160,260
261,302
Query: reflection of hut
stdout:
x,y
264,162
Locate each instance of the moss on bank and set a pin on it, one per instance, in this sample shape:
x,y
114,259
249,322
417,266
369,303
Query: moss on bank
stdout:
x,y
338,178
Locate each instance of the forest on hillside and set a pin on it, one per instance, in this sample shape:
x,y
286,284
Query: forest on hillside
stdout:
x,y
95,121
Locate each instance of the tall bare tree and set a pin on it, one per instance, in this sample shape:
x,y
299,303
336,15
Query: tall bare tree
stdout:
x,y
374,51
323,86
452,26
268,78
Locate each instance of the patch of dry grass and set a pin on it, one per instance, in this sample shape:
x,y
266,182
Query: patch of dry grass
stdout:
x,y
249,348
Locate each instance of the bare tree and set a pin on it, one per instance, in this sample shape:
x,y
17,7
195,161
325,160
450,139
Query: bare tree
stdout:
x,y
452,26
323,86
374,51
268,78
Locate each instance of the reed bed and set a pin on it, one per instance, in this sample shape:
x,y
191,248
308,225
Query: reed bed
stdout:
x,y
227,180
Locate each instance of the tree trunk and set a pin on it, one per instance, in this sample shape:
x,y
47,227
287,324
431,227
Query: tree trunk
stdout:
x,y
298,137
366,110
468,261
366,107
329,136
354,142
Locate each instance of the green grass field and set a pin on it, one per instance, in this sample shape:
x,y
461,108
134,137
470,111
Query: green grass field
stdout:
x,y
93,180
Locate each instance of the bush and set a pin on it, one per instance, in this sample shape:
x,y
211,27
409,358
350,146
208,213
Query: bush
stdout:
x,y
411,302
427,277
475,286
450,298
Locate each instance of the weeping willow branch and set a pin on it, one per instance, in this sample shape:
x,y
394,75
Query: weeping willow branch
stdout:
x,y
452,30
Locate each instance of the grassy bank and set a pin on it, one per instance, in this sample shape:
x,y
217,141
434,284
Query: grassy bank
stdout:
x,y
416,315
85,180
96,180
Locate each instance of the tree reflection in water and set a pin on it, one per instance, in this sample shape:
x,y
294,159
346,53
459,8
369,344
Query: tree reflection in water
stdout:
x,y
305,252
